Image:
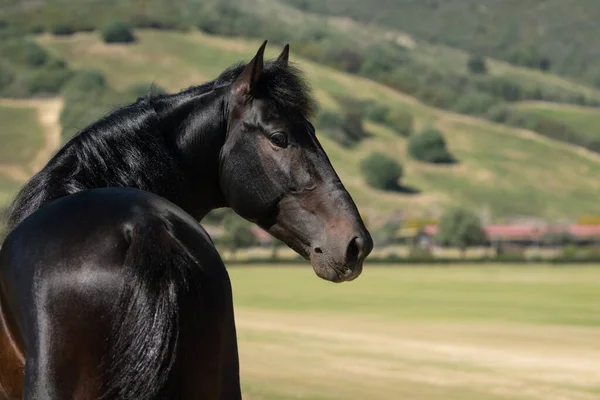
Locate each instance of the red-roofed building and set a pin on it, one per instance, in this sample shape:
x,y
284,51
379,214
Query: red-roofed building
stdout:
x,y
526,235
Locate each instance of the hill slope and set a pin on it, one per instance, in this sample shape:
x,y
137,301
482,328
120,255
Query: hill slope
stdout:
x,y
509,171
564,33
583,120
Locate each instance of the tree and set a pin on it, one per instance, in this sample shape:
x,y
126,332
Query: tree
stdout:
x,y
460,228
237,233
117,32
381,171
476,65
429,146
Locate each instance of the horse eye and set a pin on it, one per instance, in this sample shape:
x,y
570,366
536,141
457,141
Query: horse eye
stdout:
x,y
279,139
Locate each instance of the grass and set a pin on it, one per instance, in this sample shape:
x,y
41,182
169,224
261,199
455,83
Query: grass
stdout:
x,y
583,120
499,168
484,333
21,135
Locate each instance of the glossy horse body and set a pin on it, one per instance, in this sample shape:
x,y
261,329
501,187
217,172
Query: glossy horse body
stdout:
x,y
110,288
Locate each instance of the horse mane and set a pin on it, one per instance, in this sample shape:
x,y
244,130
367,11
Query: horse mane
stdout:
x,y
284,85
125,148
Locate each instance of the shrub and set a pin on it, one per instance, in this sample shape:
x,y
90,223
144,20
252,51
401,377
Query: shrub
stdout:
x,y
117,32
381,171
498,113
84,82
383,58
401,121
329,120
37,29
346,129
48,81
474,103
376,112
63,30
476,65
342,55
506,88
429,146
353,127
460,228
24,52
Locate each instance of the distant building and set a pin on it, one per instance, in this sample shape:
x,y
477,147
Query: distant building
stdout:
x,y
521,235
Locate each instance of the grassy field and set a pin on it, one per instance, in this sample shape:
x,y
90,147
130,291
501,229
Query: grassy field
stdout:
x,y
583,120
480,333
509,171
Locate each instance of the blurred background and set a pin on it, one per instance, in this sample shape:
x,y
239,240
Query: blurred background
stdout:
x,y
468,133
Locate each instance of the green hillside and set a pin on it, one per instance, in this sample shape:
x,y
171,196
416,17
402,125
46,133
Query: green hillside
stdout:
x,y
559,34
21,139
511,172
583,120
20,135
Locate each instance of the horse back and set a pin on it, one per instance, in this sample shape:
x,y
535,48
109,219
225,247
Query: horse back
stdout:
x,y
136,286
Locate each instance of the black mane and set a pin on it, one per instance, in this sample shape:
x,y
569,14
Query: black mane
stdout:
x,y
284,85
128,148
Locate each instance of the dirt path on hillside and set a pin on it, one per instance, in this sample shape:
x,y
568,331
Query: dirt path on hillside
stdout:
x,y
48,111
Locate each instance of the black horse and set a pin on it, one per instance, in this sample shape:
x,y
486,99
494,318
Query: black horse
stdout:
x,y
110,288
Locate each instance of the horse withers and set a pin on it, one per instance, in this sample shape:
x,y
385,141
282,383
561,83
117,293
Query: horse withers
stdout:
x,y
110,288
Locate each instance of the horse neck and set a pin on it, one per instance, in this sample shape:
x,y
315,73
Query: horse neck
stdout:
x,y
173,151
193,125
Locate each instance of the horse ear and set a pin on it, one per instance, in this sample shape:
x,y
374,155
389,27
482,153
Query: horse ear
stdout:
x,y
246,82
284,57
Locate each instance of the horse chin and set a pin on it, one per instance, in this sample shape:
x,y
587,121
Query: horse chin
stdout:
x,y
334,273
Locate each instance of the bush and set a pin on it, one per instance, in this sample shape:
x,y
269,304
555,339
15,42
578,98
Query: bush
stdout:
x,y
460,228
376,112
342,55
117,32
23,52
498,113
381,171
474,103
353,127
382,59
476,65
329,120
401,121
63,30
48,81
345,130
84,82
506,88
429,146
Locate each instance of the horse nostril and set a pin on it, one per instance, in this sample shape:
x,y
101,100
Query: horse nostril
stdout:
x,y
354,249
318,250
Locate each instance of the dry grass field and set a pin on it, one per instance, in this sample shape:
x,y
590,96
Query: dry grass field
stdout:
x,y
453,333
